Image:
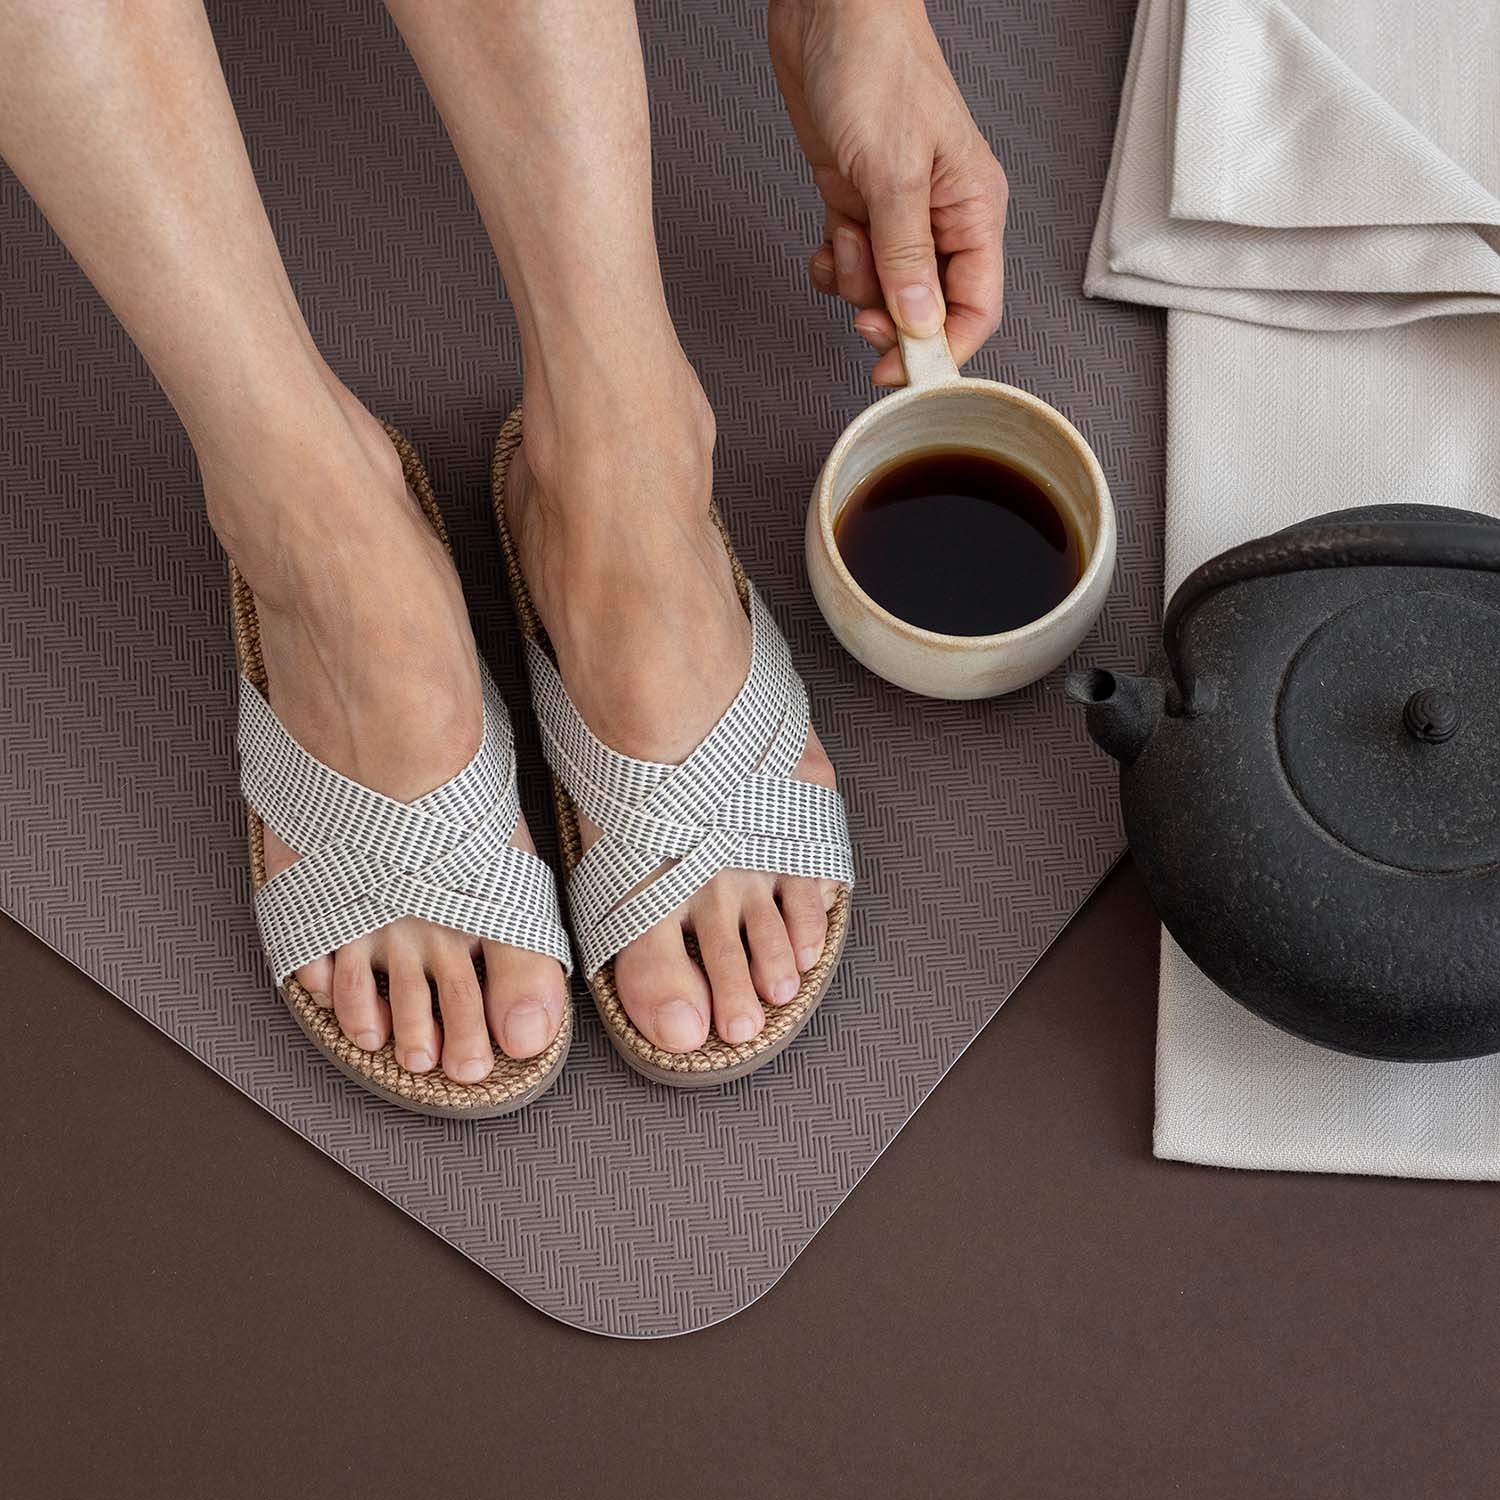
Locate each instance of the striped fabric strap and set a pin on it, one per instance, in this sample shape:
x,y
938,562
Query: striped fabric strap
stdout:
x,y
368,860
732,804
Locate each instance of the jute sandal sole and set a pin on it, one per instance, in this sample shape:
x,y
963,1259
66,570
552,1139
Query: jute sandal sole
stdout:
x,y
511,1085
717,1061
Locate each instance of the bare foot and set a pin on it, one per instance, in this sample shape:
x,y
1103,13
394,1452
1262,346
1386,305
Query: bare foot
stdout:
x,y
633,583
372,668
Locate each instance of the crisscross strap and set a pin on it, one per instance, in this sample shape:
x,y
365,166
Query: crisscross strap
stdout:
x,y
668,830
368,860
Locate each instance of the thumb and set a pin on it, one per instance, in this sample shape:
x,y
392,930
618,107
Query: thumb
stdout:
x,y
905,262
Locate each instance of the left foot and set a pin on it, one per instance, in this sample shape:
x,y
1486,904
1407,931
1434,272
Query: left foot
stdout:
x,y
632,581
372,668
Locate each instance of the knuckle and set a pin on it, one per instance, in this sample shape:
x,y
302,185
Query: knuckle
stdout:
x,y
835,187
772,944
899,176
461,992
810,914
906,255
346,983
721,950
985,189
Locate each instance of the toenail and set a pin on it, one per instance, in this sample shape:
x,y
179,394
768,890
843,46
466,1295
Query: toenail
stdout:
x,y
807,957
370,1041
783,990
739,1029
527,1028
678,1025
418,1062
471,1070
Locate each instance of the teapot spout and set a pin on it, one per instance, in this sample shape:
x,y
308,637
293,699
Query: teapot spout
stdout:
x,y
1122,711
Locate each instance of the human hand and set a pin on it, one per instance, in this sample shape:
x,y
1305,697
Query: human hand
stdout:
x,y
915,200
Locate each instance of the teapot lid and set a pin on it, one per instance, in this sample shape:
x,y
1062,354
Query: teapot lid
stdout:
x,y
1387,719
1389,730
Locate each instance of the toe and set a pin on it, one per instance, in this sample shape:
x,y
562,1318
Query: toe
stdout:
x,y
418,1041
525,997
663,990
362,1014
467,1056
317,979
805,916
737,1011
772,965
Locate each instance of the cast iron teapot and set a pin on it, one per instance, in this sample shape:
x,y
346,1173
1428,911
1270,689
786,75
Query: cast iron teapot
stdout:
x,y
1310,777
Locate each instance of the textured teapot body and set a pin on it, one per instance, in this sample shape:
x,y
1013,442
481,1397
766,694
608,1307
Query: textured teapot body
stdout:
x,y
1310,785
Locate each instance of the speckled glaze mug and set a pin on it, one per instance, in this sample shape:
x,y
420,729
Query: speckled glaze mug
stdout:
x,y
939,408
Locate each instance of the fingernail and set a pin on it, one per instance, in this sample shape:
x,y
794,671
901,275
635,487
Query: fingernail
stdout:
x,y
739,1029
527,1029
873,334
783,990
418,1062
822,268
678,1027
807,957
846,252
319,998
919,311
370,1041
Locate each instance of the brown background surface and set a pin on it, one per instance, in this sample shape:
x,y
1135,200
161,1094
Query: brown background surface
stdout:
x,y
1018,1301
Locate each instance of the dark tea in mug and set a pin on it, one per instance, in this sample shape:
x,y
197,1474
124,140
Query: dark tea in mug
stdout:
x,y
958,541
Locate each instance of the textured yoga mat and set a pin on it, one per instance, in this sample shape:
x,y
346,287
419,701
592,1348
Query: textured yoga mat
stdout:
x,y
613,1204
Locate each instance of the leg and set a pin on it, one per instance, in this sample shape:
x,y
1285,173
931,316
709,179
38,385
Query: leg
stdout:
x,y
118,121
546,103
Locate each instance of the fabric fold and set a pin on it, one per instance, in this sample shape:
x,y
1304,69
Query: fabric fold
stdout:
x,y
1276,130
1212,204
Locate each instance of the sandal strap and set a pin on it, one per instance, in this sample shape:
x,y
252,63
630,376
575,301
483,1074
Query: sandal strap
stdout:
x,y
367,860
732,804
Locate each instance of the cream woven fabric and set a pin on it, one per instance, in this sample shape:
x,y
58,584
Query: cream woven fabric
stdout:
x,y
732,804
368,860
1313,188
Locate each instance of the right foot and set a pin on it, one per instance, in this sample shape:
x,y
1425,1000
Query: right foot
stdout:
x,y
633,584
372,668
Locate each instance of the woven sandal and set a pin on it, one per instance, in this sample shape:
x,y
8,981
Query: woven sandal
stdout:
x,y
367,860
732,804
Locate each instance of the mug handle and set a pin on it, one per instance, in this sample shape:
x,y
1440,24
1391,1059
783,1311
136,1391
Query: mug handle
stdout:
x,y
928,361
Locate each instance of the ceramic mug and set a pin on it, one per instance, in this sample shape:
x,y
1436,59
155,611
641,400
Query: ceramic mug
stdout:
x,y
939,408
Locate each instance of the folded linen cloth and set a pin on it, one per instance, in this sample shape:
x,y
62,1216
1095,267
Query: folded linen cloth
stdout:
x,y
1313,189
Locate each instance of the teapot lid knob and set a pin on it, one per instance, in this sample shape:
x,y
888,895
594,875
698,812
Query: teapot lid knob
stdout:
x,y
1431,715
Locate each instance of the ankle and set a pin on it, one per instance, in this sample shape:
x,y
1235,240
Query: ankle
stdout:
x,y
581,440
296,484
